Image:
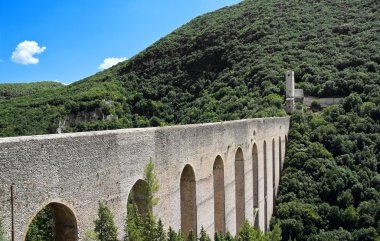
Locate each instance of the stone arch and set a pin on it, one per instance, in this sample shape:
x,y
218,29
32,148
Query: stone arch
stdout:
x,y
64,226
188,200
265,186
255,173
239,188
139,195
219,198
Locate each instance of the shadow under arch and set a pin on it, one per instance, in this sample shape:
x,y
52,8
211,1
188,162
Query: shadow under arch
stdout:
x,y
274,169
65,227
219,195
280,156
239,188
265,186
188,194
255,175
140,196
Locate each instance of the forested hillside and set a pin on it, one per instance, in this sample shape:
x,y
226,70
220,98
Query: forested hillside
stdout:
x,y
224,65
330,187
230,64
9,91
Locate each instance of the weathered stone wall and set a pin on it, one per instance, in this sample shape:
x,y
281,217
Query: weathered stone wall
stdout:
x,y
324,102
79,169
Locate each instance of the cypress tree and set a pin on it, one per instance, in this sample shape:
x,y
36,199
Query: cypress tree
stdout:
x,y
191,236
218,236
104,225
204,236
151,178
180,236
275,234
172,235
134,225
229,237
160,232
246,232
149,224
142,226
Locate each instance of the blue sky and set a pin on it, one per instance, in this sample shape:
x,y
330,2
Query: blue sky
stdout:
x,y
69,40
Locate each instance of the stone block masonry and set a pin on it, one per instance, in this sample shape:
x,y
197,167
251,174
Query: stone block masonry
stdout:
x,y
195,166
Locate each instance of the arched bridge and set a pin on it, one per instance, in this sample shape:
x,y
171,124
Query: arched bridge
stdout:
x,y
213,175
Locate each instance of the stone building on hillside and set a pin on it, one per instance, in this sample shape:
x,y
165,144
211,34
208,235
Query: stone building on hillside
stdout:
x,y
294,96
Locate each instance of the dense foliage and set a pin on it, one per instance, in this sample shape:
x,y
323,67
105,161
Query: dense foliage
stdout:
x,y
2,233
105,227
42,226
224,65
9,91
141,225
330,189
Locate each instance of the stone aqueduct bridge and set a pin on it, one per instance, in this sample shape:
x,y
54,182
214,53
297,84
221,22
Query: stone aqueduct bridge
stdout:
x,y
213,175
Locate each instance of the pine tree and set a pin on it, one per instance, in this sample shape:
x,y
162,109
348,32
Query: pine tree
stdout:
x,y
180,236
275,234
172,236
191,236
160,232
133,229
204,236
229,237
245,232
149,224
218,236
104,225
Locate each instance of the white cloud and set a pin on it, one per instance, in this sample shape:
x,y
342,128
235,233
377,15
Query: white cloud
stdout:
x,y
24,52
109,62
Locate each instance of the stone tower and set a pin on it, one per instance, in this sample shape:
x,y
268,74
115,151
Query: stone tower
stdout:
x,y
289,104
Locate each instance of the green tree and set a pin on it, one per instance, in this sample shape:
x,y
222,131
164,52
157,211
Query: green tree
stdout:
x,y
149,227
151,178
42,226
90,235
191,236
218,236
180,236
160,232
143,226
275,233
229,237
172,235
246,232
134,223
2,233
105,226
203,235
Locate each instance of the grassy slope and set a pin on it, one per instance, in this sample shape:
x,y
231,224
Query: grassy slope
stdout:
x,y
224,65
